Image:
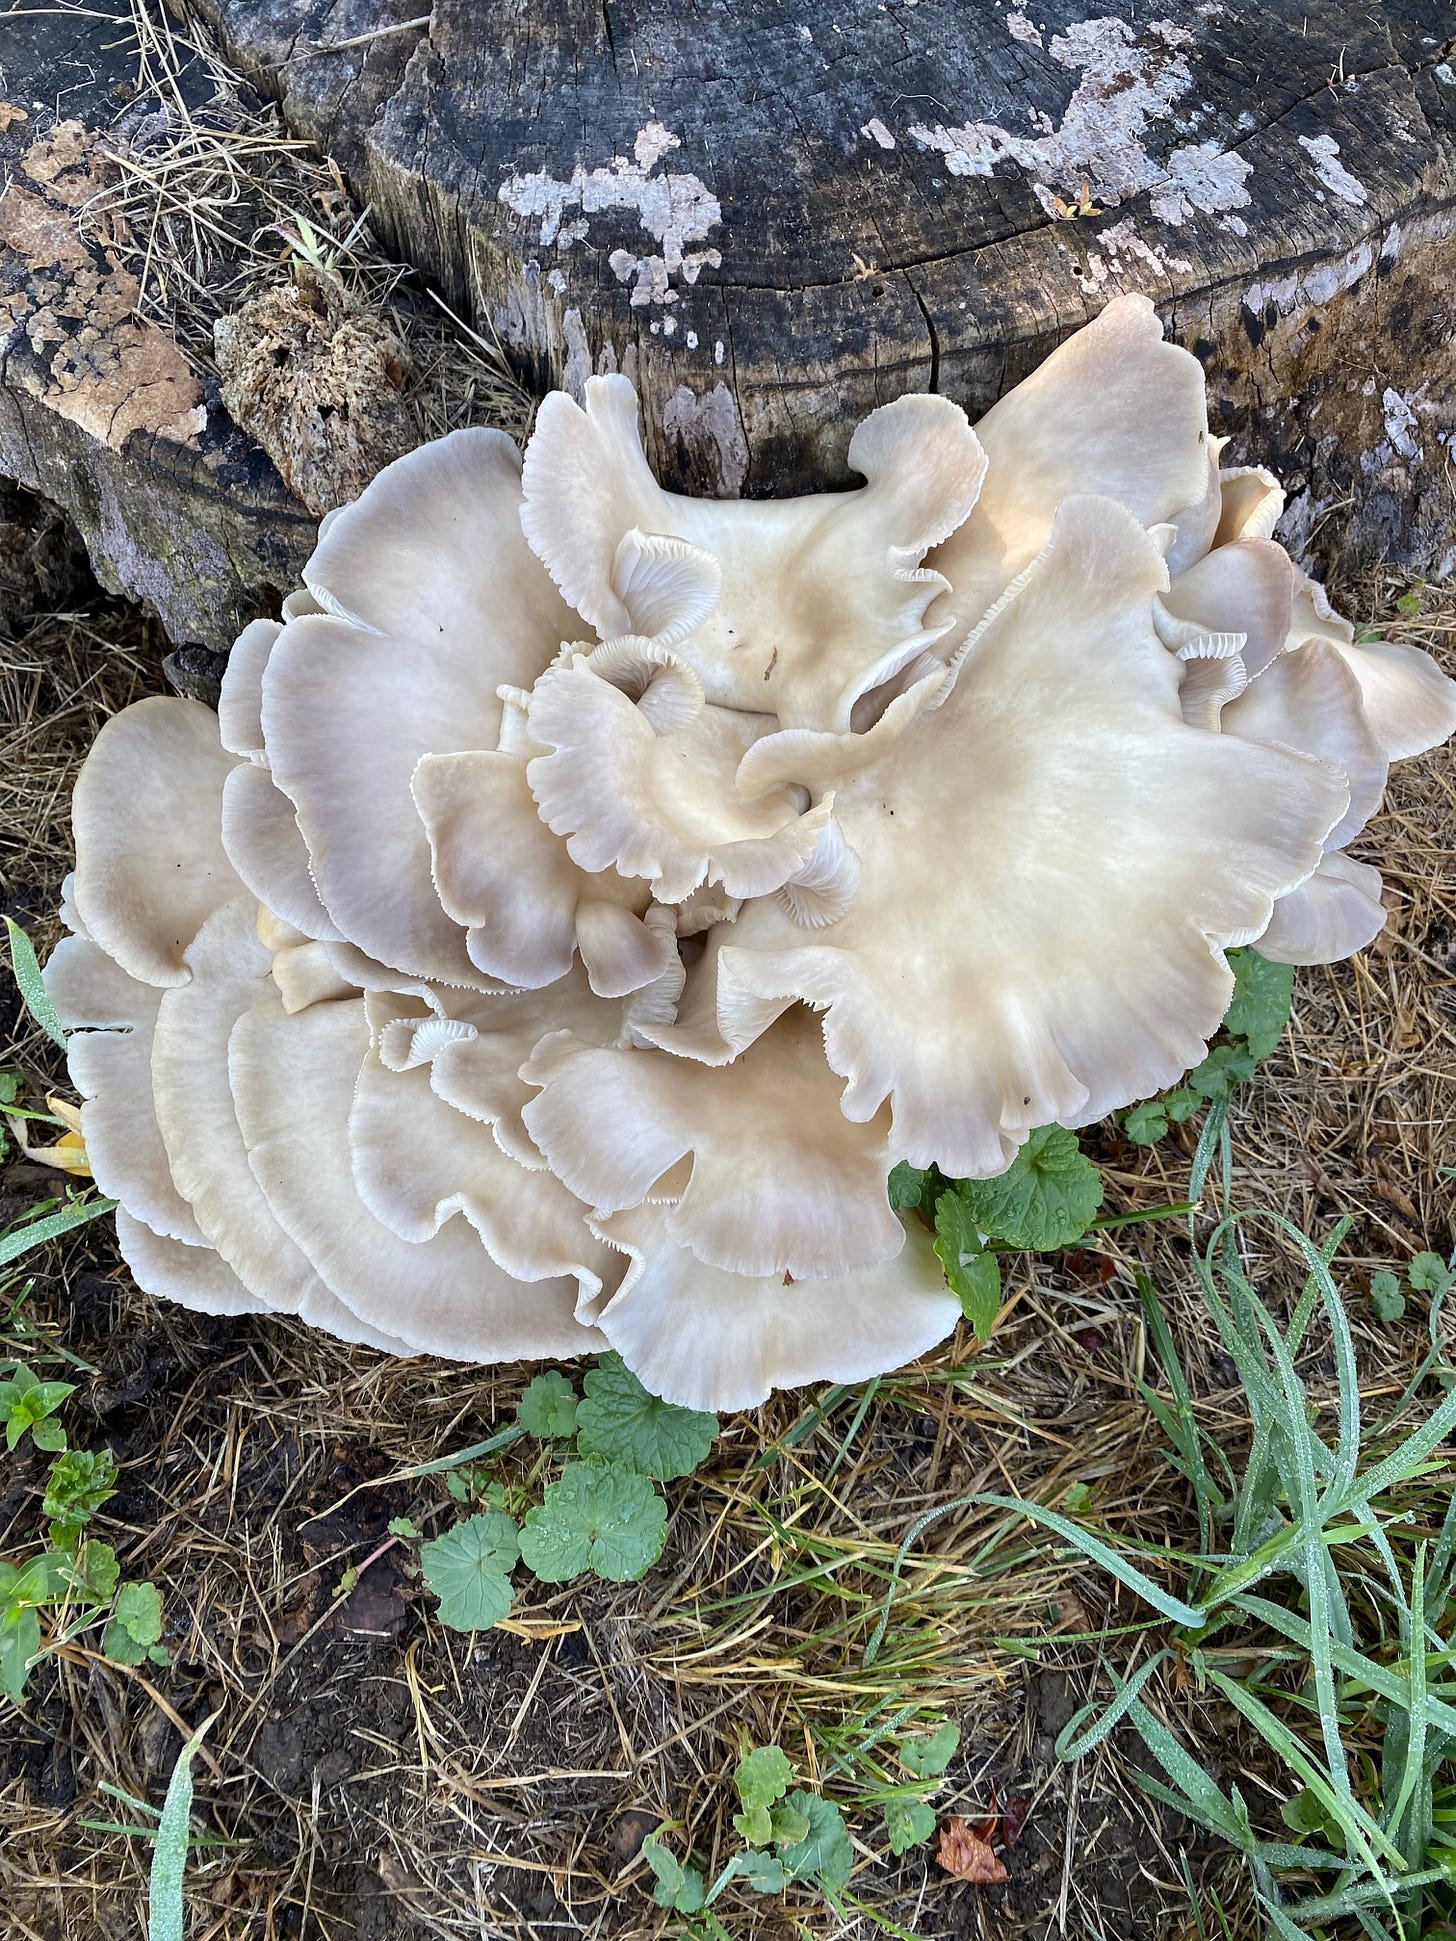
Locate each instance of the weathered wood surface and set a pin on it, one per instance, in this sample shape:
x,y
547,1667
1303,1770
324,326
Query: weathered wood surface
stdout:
x,y
775,215
100,412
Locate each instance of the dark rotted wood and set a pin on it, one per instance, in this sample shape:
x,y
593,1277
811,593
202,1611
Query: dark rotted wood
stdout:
x,y
776,213
100,412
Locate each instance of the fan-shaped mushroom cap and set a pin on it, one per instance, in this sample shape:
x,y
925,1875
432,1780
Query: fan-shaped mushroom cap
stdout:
x,y
1252,500
1245,588
1332,915
418,1162
240,701
441,602
1308,698
1113,411
150,865
660,802
265,846
781,1181
443,1296
821,597
111,1018
196,1277
529,908
1052,864
199,1126
706,1339
1409,703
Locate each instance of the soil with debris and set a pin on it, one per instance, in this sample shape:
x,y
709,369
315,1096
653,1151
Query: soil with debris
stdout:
x,y
371,1774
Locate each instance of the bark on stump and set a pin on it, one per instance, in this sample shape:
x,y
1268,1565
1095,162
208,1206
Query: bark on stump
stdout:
x,y
775,216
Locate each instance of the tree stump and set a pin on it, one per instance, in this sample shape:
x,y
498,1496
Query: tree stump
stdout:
x,y
100,411
776,216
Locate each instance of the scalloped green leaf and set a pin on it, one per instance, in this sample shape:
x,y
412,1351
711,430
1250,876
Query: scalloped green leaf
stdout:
x,y
1046,1198
547,1407
599,1516
622,1421
469,1570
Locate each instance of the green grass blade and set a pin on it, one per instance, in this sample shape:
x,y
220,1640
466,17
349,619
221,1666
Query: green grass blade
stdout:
x,y
1072,1744
165,1911
35,1233
32,985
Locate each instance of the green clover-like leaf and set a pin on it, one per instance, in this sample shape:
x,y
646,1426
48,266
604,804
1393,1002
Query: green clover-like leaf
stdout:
x,y
762,1776
1225,1067
974,1276
597,1516
1047,1197
135,1625
1429,1274
824,1854
1386,1299
1146,1123
681,1888
469,1570
620,1420
928,1754
1259,1009
909,1822
547,1407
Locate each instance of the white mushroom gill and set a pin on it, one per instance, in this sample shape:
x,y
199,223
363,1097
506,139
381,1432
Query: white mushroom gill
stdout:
x,y
585,893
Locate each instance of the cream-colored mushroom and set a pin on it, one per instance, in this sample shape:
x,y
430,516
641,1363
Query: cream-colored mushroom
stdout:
x,y
442,1296
707,1339
1052,863
147,816
781,1182
434,600
822,597
658,798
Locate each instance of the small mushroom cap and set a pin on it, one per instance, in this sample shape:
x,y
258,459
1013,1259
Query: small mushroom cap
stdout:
x,y
1114,411
1069,957
821,598
194,1277
1252,500
1308,698
111,1018
446,603
265,846
1331,916
1409,703
444,1296
240,702
147,812
527,906
706,1339
1245,588
781,1182
194,1105
418,1162
662,806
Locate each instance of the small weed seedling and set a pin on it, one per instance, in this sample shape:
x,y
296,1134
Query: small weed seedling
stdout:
x,y
601,1515
791,1837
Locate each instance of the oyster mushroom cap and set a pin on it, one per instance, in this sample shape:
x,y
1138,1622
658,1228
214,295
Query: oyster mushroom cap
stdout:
x,y
781,1182
706,1339
147,818
1069,957
1114,411
821,597
434,601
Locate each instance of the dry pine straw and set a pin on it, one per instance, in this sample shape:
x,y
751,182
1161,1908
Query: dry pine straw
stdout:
x,y
380,1776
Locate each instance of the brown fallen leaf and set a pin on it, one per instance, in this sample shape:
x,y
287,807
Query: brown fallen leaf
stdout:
x,y
965,1854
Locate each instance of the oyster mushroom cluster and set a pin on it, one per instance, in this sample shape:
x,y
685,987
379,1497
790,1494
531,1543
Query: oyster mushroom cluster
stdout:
x,y
585,894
